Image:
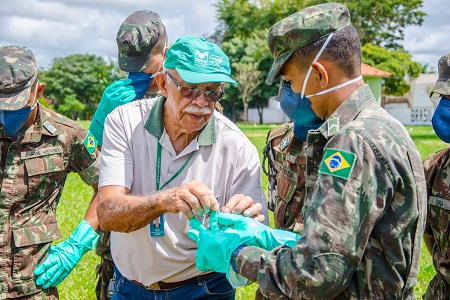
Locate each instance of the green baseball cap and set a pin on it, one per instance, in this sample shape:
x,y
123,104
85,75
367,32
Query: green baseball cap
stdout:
x,y
136,38
442,85
18,72
198,61
302,28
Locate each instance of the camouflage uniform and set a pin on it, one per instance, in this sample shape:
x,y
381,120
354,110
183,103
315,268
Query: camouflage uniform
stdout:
x,y
363,221
287,164
34,169
437,175
437,171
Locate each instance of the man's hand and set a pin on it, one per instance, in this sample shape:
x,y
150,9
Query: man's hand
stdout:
x,y
240,204
192,199
65,256
214,247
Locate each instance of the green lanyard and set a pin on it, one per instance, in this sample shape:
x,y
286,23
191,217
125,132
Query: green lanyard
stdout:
x,y
158,169
157,226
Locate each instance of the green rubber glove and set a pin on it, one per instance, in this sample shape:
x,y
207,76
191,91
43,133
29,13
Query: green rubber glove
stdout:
x,y
64,256
118,93
261,235
214,247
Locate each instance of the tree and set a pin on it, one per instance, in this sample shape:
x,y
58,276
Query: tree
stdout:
x,y
71,107
396,62
249,78
83,75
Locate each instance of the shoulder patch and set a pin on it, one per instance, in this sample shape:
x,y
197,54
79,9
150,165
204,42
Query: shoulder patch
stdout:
x,y
49,127
337,163
90,143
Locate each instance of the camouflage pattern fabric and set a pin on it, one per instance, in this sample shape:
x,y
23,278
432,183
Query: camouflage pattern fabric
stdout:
x,y
34,168
105,272
442,85
437,175
287,172
136,38
302,28
363,226
18,72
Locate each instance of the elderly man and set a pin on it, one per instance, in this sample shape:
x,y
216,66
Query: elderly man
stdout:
x,y
141,42
39,148
437,171
166,162
365,204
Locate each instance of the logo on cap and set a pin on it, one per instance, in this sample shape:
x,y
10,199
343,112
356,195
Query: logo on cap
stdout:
x,y
201,57
216,60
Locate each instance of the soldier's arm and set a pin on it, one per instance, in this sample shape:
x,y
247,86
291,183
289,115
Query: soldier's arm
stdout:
x,y
337,228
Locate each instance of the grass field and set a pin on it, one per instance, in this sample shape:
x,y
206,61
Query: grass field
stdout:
x,y
80,284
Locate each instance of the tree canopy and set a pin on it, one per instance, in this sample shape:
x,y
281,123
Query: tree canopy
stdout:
x,y
244,23
77,82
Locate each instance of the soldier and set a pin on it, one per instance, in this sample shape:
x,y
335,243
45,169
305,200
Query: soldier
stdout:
x,y
141,42
365,206
437,171
38,149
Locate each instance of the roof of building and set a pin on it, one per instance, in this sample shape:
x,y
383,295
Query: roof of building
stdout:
x,y
372,71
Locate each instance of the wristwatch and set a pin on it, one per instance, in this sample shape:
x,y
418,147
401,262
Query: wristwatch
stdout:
x,y
234,257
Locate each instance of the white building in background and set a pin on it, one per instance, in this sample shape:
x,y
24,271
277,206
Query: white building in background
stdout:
x,y
416,107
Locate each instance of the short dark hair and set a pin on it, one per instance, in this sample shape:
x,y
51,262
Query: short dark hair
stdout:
x,y
344,50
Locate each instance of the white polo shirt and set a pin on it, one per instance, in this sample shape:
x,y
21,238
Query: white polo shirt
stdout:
x,y
223,159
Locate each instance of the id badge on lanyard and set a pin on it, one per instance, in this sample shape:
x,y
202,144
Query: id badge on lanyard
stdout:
x,y
157,225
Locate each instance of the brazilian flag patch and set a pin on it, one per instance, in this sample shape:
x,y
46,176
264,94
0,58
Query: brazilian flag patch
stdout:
x,y
337,163
90,143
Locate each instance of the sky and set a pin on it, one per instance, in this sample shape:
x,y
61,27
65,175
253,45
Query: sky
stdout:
x,y
58,28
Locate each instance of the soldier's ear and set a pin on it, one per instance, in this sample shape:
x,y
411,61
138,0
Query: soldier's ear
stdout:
x,y
40,90
320,73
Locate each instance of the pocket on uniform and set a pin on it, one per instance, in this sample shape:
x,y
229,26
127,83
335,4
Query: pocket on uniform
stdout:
x,y
44,173
287,181
30,245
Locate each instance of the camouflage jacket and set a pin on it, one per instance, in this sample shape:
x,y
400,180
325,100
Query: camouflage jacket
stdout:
x,y
364,213
33,171
287,164
437,175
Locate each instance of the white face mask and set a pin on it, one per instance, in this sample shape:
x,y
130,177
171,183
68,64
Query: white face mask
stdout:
x,y
310,70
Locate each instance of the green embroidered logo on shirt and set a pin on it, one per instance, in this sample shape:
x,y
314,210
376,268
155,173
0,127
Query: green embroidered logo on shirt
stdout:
x,y
337,163
90,143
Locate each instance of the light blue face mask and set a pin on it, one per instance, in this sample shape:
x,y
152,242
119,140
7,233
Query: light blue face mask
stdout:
x,y
13,120
441,119
297,106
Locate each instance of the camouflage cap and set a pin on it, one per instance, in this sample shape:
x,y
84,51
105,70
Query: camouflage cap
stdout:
x,y
442,85
18,72
302,28
136,38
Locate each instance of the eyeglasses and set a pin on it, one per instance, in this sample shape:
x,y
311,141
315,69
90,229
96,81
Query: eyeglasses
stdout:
x,y
193,92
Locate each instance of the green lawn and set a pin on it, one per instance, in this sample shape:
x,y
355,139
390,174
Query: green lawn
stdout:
x,y
80,284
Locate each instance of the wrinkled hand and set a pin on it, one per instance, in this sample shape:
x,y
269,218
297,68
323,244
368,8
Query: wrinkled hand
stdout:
x,y
241,204
140,82
214,247
192,199
116,94
64,257
248,228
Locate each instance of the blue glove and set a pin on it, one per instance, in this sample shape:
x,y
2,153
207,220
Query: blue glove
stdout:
x,y
140,82
116,94
64,257
214,247
261,235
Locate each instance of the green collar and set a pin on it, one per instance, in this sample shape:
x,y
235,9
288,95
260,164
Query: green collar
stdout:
x,y
155,126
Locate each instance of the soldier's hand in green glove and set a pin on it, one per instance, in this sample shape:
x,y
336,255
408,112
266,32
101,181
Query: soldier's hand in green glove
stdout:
x,y
214,247
116,94
64,256
261,235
